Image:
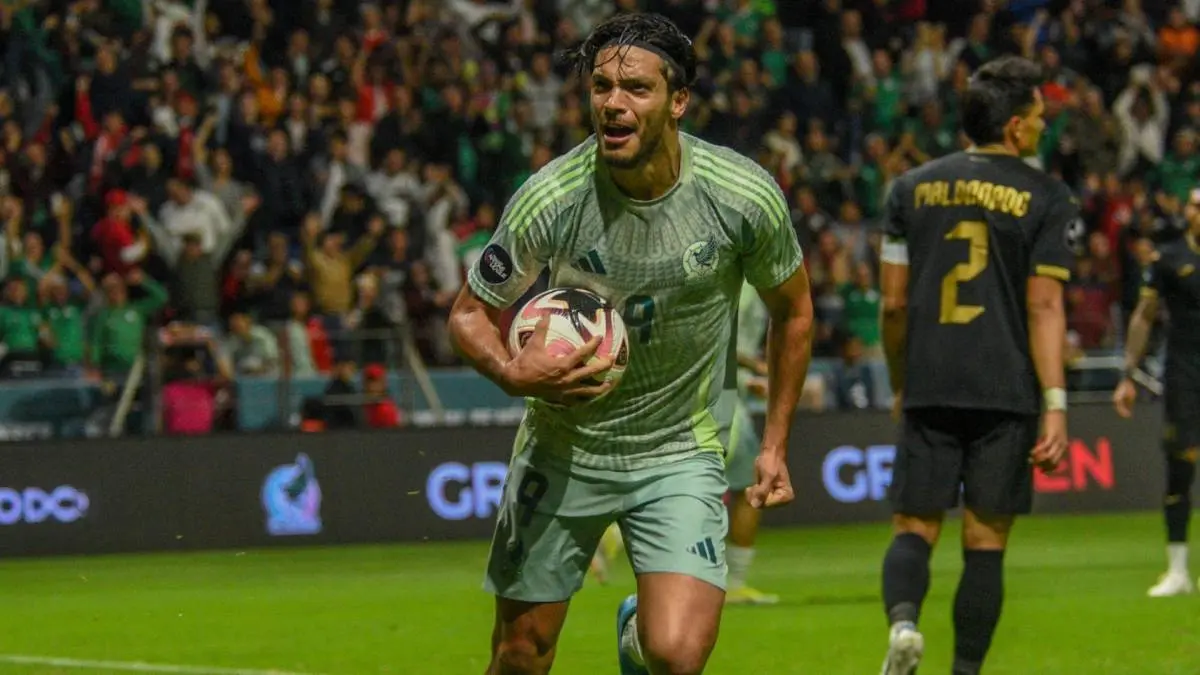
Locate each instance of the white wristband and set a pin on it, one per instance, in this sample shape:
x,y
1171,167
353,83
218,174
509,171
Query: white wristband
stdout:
x,y
1054,399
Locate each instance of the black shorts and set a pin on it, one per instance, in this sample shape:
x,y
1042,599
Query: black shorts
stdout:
x,y
981,454
1182,401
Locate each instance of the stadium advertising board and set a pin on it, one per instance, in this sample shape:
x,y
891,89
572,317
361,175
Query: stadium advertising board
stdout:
x,y
250,490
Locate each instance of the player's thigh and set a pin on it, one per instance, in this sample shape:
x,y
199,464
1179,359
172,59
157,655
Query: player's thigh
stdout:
x,y
927,471
675,519
547,531
1181,433
743,450
998,475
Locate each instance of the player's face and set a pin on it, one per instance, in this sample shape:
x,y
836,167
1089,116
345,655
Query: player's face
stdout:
x,y
632,105
1028,129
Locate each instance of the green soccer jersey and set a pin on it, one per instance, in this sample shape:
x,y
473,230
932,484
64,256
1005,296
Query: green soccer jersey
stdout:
x,y
67,325
752,330
674,267
19,327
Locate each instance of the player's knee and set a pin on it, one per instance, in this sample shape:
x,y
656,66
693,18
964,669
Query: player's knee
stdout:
x,y
982,531
521,656
928,528
681,654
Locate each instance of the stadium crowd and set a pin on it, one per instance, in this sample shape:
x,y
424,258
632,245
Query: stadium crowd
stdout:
x,y
262,176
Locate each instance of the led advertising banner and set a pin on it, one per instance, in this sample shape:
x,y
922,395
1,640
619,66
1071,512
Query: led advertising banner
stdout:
x,y
251,490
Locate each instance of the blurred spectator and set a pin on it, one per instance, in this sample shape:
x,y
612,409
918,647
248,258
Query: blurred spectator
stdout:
x,y
861,303
342,402
22,330
276,279
65,314
330,267
854,385
117,329
251,349
381,410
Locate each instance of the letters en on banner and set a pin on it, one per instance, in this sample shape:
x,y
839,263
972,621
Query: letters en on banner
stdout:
x,y
248,490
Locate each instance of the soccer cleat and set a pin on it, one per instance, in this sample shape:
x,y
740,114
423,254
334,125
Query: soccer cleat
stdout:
x,y
625,612
744,595
906,645
1170,584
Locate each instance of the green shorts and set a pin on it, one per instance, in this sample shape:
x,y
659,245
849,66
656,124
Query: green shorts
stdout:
x,y
743,450
553,515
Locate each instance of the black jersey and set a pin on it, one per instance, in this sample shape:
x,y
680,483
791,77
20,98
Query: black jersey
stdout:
x,y
1174,276
975,227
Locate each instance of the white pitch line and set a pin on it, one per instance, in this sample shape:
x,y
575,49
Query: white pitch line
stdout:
x,y
135,666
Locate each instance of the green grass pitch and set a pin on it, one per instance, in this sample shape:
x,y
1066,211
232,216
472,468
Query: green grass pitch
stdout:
x,y
1076,604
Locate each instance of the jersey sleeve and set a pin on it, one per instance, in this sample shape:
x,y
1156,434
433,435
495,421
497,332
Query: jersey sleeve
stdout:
x,y
895,228
521,247
772,252
1154,278
1059,238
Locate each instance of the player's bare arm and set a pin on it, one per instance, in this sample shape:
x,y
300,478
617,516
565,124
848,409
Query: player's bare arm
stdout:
x,y
1047,331
894,325
475,333
1137,337
789,347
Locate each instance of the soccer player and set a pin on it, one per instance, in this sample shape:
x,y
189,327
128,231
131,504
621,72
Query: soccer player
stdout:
x,y
743,444
739,468
1171,277
665,227
978,247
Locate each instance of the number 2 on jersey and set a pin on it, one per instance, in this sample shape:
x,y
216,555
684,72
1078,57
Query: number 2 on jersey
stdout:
x,y
638,316
975,233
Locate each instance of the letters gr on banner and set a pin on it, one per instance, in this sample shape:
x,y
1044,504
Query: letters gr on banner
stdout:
x,y
63,504
477,489
852,475
291,498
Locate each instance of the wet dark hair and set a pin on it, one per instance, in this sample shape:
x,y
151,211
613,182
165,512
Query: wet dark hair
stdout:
x,y
997,92
652,32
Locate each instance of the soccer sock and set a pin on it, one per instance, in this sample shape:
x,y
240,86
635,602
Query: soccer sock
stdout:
x,y
905,577
1177,559
630,643
739,559
977,608
1177,507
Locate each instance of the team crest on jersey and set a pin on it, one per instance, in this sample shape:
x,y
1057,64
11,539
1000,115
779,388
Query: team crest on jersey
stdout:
x,y
1185,271
700,259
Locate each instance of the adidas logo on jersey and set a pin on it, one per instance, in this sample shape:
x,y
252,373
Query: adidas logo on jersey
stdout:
x,y
590,263
705,549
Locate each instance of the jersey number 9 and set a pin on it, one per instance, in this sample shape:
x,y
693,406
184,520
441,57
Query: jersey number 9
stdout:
x,y
639,315
975,233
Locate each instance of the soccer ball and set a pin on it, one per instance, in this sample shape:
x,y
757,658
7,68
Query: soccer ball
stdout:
x,y
576,315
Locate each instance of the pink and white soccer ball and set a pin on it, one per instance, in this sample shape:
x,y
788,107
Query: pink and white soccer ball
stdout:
x,y
576,315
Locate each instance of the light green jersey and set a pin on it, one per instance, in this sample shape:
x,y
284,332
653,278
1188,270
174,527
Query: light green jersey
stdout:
x,y
752,331
674,267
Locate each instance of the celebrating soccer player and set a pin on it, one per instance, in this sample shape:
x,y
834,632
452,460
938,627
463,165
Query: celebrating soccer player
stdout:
x,y
1171,277
669,226
978,247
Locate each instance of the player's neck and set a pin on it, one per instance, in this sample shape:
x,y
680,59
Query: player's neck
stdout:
x,y
656,177
996,149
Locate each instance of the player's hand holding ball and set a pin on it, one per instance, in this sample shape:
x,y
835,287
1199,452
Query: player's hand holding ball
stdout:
x,y
772,484
568,347
1052,446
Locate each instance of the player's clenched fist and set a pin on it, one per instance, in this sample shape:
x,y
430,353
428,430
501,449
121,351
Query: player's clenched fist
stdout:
x,y
772,484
